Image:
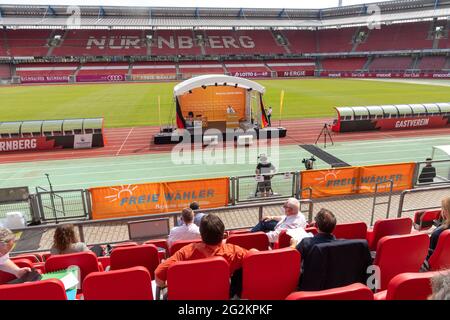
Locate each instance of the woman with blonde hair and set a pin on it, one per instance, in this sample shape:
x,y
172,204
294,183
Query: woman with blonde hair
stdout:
x,y
65,240
445,214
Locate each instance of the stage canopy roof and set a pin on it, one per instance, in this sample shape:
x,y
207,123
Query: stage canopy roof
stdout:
x,y
212,79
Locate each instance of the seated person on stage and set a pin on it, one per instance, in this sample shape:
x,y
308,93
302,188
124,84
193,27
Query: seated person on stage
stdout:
x,y
325,224
428,172
65,240
273,225
187,231
190,120
264,168
7,239
230,109
212,231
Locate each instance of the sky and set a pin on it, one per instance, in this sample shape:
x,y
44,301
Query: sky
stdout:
x,y
299,4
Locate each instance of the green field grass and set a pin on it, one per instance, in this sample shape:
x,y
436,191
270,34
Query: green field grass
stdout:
x,y
135,104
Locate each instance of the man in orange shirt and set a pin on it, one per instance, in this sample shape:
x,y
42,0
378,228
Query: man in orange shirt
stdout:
x,y
211,231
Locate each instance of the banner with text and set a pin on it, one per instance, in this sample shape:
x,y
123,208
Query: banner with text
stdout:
x,y
101,78
157,197
356,180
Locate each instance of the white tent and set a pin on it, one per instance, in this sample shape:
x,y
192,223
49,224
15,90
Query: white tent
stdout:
x,y
213,79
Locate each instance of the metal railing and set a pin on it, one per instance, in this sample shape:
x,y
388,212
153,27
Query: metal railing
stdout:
x,y
306,206
63,205
427,197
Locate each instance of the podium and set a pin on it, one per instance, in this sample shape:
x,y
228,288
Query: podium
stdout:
x,y
232,120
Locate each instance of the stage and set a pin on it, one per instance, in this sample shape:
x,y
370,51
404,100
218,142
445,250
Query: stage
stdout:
x,y
198,135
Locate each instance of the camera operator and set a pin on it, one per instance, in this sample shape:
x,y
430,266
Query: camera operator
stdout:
x,y
309,163
266,169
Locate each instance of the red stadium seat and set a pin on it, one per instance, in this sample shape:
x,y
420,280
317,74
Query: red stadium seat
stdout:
x,y
408,286
356,291
399,254
160,243
253,240
440,259
284,240
124,244
86,261
32,257
423,220
387,227
126,284
50,289
177,245
21,263
258,280
354,230
208,279
145,255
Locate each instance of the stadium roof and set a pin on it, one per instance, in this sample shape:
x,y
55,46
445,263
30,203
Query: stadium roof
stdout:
x,y
22,16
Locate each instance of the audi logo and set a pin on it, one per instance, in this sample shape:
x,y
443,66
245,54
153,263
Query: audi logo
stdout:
x,y
114,77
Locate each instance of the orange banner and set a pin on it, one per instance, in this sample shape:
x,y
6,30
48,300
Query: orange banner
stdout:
x,y
157,197
212,102
356,180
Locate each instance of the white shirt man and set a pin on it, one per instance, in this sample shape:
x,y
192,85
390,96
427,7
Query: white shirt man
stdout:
x,y
187,231
292,219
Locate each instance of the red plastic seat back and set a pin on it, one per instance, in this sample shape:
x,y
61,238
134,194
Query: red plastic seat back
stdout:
x,y
127,284
202,279
162,243
389,227
423,220
177,245
356,291
86,261
399,254
410,286
124,244
440,259
253,240
21,263
284,240
145,255
259,282
355,230
33,258
51,289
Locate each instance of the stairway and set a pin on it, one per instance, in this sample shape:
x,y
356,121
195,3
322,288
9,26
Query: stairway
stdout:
x,y
367,64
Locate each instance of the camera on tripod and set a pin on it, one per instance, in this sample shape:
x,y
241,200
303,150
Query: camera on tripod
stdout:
x,y
309,163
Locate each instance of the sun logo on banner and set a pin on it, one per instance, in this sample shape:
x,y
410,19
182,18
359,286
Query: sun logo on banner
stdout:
x,y
330,174
119,191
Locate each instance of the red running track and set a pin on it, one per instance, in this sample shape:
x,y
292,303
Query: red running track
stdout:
x,y
139,140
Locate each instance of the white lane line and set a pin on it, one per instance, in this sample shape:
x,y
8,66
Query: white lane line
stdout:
x,y
125,141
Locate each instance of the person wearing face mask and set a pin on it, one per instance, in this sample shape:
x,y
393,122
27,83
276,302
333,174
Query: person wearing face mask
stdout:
x,y
7,239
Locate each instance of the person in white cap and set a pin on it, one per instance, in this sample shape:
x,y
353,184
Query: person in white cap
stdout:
x,y
7,239
266,169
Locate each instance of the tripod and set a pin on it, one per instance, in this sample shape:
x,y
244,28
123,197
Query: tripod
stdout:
x,y
325,132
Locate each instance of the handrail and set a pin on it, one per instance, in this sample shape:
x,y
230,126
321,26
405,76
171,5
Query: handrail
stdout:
x,y
405,192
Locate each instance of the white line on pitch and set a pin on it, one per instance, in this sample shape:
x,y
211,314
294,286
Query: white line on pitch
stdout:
x,y
125,141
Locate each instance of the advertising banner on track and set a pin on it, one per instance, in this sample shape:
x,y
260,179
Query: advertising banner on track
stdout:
x,y
44,79
150,77
26,144
398,75
295,73
356,180
157,197
252,74
83,141
101,78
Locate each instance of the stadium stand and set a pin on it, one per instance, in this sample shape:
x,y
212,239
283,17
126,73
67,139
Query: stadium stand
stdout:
x,y
343,64
46,69
97,68
291,65
300,41
28,43
397,37
162,69
5,71
335,40
247,69
195,68
432,63
391,63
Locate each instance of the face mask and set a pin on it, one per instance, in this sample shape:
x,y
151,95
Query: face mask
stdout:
x,y
4,258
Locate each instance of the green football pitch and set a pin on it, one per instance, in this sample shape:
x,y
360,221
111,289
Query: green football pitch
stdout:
x,y
135,104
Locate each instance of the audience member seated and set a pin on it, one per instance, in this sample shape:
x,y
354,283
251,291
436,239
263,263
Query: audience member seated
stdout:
x,y
212,231
273,225
65,241
190,120
440,286
7,239
329,263
197,215
187,231
445,213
